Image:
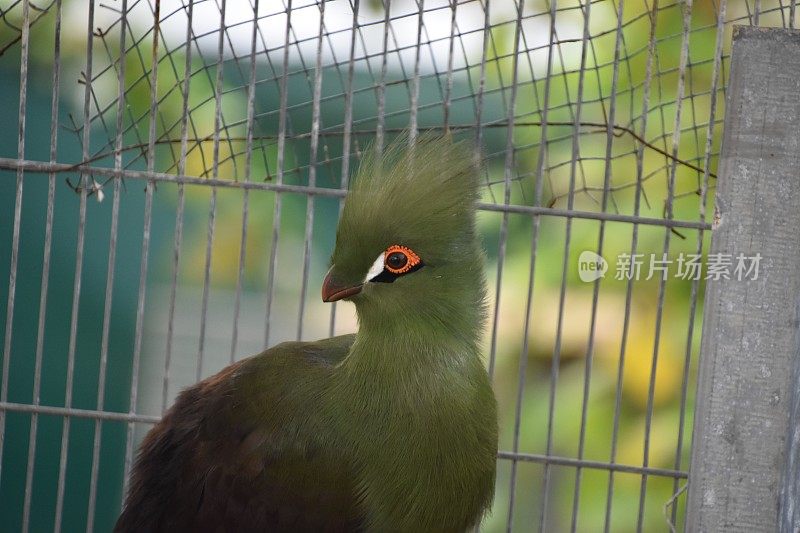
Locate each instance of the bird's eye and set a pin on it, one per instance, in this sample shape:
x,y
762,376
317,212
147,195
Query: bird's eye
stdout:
x,y
396,260
400,259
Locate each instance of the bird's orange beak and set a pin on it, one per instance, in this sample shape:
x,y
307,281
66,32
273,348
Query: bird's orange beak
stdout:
x,y
332,290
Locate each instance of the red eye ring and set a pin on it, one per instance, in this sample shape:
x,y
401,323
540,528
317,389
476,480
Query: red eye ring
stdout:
x,y
412,259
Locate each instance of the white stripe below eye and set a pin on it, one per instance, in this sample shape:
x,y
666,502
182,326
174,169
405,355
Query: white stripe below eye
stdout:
x,y
375,269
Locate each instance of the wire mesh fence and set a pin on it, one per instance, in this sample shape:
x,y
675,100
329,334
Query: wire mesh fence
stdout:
x,y
170,187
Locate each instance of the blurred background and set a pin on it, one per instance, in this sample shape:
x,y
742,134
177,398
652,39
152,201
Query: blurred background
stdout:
x,y
203,230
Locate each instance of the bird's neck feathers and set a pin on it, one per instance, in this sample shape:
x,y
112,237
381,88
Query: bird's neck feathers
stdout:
x,y
414,398
430,336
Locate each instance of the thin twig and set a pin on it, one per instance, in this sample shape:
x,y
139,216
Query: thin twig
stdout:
x,y
620,130
671,501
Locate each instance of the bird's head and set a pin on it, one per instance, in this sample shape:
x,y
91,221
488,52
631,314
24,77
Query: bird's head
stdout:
x,y
407,239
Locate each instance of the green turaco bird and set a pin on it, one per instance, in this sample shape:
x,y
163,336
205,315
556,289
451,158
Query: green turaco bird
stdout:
x,y
392,429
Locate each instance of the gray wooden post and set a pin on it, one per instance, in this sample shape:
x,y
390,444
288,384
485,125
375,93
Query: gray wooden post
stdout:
x,y
744,468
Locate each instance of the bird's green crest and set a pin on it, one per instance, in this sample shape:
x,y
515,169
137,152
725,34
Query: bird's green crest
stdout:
x,y
420,195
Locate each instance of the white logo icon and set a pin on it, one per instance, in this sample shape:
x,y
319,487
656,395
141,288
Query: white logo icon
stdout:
x,y
591,266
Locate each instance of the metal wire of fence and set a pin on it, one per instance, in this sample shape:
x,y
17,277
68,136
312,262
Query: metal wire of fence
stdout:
x,y
218,138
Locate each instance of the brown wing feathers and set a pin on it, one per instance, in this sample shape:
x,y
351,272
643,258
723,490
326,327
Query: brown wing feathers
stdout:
x,y
204,467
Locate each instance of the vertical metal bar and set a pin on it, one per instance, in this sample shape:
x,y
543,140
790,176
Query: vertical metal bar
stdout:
x,y
792,11
715,80
449,88
467,69
178,238
432,55
403,76
112,250
312,170
23,99
148,211
556,360
248,165
486,34
168,127
212,205
231,157
789,505
382,83
507,176
276,213
12,280
676,137
523,362
749,14
634,243
191,39
48,233
218,88
348,127
744,441
610,121
412,126
783,15
76,288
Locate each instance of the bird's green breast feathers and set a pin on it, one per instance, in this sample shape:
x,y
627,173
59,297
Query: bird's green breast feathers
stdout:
x,y
425,437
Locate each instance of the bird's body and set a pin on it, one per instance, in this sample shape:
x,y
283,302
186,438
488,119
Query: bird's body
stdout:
x,y
229,457
391,429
